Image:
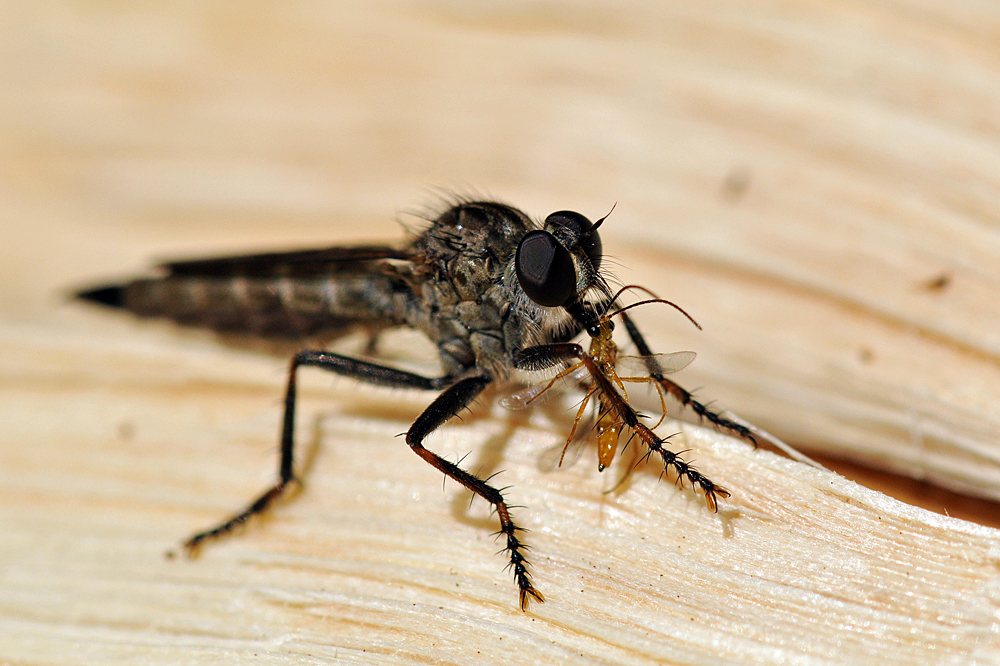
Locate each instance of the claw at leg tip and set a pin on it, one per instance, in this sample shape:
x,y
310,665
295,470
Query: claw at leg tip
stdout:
x,y
527,595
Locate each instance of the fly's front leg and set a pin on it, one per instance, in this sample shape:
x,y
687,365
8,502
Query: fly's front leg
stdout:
x,y
684,396
546,356
447,405
371,373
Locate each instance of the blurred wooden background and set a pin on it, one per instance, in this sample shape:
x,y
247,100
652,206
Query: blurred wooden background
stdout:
x,y
819,185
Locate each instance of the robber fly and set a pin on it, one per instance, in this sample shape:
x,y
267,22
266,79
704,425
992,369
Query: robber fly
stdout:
x,y
491,288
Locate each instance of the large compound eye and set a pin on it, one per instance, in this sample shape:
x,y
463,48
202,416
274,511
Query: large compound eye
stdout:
x,y
545,269
582,231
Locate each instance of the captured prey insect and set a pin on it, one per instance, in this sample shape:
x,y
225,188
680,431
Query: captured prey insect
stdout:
x,y
599,373
492,289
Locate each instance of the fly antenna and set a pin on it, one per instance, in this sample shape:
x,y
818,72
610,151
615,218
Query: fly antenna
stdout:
x,y
601,221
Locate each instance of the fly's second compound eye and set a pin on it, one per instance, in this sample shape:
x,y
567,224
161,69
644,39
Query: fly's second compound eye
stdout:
x,y
579,230
545,269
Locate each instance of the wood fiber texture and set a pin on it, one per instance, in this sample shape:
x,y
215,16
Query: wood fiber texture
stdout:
x,y
817,184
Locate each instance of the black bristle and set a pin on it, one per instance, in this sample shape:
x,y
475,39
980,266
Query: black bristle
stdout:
x,y
113,296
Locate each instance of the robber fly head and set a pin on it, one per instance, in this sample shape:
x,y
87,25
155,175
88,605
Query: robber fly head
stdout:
x,y
558,264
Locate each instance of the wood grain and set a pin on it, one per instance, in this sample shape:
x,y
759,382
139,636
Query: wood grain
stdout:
x,y
817,184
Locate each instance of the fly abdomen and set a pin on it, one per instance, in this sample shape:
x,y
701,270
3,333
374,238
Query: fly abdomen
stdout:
x,y
271,306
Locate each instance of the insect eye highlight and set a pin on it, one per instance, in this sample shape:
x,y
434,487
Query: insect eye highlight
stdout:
x,y
582,232
545,270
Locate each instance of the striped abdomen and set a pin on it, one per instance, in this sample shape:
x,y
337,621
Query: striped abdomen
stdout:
x,y
264,305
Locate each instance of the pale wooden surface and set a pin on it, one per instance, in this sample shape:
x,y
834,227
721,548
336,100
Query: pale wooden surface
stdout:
x,y
797,176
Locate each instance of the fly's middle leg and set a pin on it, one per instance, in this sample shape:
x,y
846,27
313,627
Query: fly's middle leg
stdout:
x,y
449,403
371,373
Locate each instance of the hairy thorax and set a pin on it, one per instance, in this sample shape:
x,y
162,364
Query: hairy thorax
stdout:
x,y
465,301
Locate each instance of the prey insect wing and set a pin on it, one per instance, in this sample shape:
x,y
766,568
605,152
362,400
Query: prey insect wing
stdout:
x,y
542,390
666,364
492,289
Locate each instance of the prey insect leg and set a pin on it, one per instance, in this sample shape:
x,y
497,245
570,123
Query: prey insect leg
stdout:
x,y
682,395
544,356
371,373
659,392
445,406
576,422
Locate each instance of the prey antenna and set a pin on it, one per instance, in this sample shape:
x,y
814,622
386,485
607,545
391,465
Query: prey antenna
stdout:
x,y
654,299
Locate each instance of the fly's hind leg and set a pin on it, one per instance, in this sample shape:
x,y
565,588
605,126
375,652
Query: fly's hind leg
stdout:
x,y
445,406
371,373
457,396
